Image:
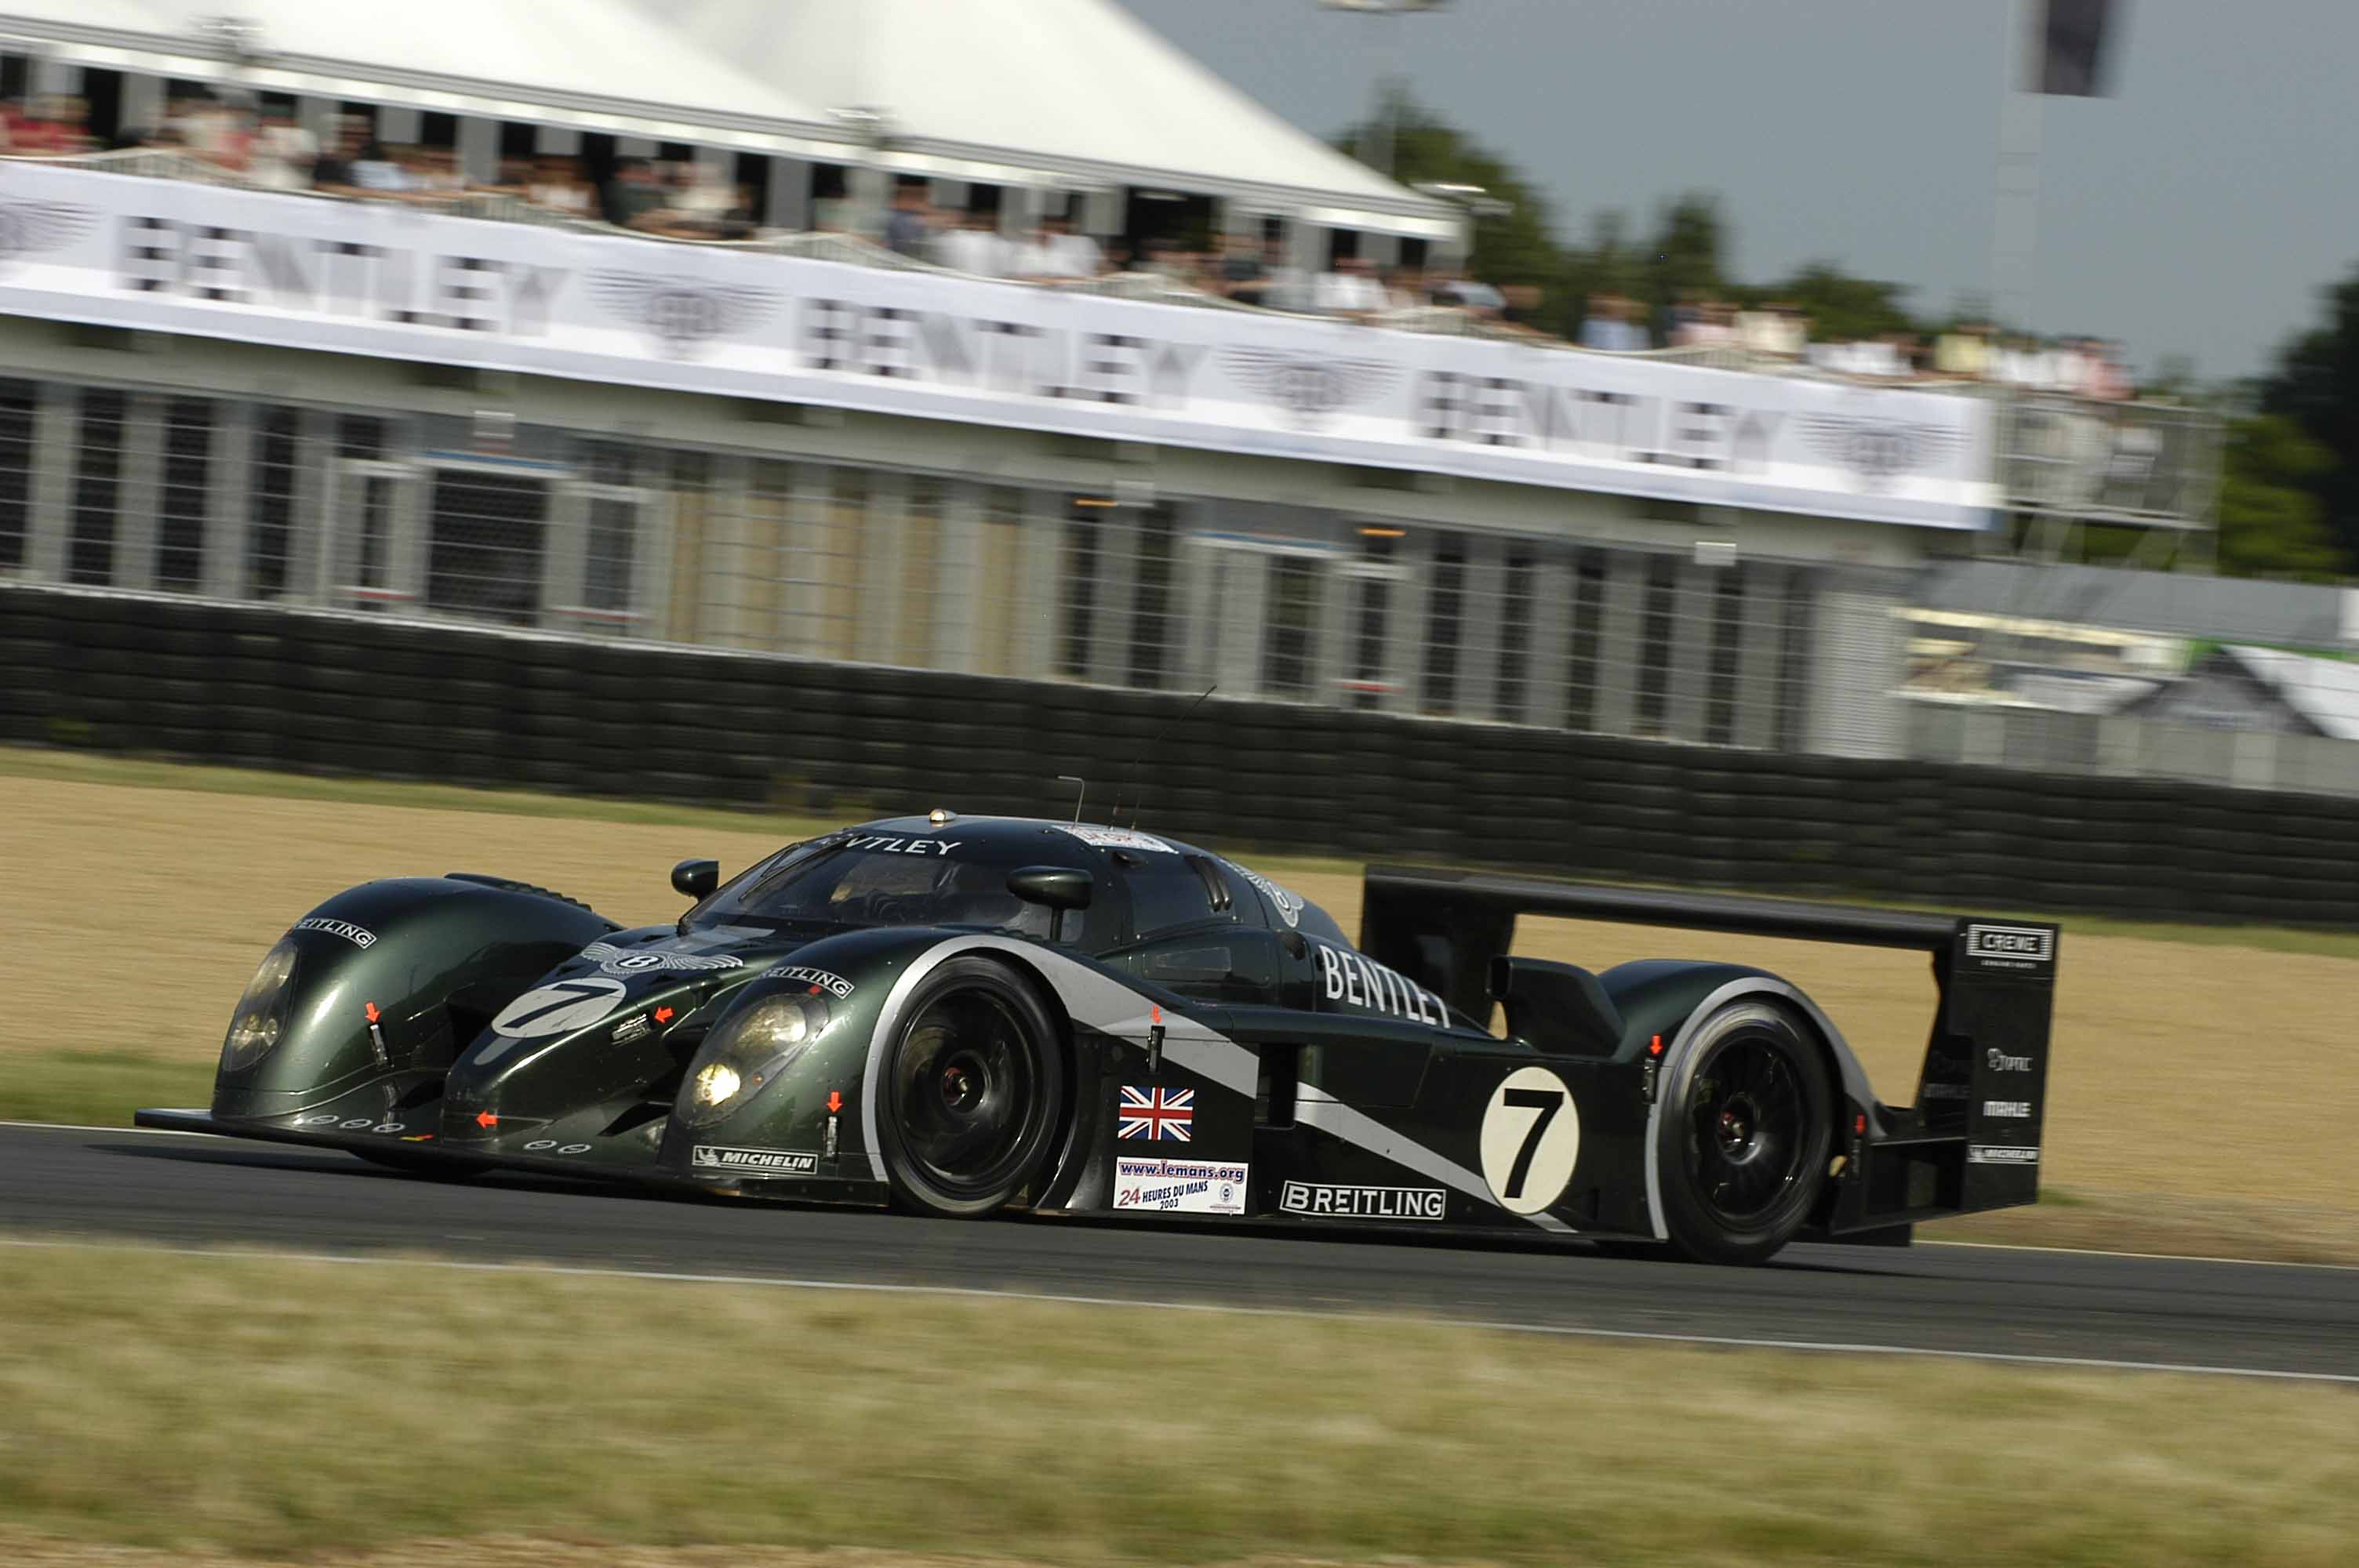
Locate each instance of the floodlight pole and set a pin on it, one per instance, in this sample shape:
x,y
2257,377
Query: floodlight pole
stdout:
x,y
1380,138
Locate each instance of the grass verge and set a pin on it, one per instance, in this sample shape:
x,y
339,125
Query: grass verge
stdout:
x,y
284,1406
99,1088
101,768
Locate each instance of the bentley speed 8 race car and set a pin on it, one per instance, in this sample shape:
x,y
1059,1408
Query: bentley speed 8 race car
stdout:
x,y
957,1016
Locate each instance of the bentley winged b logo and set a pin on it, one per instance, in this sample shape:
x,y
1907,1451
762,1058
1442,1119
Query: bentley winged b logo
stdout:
x,y
682,315
1308,387
1878,451
27,227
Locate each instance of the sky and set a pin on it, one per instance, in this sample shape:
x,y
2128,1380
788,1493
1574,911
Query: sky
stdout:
x,y
2196,212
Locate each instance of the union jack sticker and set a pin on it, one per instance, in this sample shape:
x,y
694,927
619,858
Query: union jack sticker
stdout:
x,y
1157,1113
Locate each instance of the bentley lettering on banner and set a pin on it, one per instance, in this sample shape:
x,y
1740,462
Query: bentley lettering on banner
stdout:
x,y
390,281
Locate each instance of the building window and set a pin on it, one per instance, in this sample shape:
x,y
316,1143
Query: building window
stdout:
x,y
19,405
181,502
1293,625
1514,637
837,563
1445,605
920,553
484,554
1150,602
1727,657
271,539
1080,578
1588,615
998,615
1374,587
1658,629
1794,666
97,484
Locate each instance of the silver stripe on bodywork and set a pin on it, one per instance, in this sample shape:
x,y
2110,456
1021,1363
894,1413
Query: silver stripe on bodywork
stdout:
x,y
1854,1077
1114,1009
1314,1107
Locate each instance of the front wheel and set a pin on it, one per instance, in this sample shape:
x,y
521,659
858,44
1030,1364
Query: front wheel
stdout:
x,y
972,1088
1745,1130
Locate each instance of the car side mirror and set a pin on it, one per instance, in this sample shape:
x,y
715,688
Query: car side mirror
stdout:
x,y
1057,887
696,879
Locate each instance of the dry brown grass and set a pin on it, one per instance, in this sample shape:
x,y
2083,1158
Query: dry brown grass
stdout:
x,y
283,1407
2180,1067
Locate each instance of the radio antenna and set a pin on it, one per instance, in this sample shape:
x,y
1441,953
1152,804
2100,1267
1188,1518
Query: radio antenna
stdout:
x,y
1081,793
1151,745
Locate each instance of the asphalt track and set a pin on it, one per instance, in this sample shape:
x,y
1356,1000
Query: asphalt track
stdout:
x,y
1989,1302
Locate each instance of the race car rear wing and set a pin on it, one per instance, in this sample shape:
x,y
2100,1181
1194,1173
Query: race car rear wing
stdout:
x,y
1970,1141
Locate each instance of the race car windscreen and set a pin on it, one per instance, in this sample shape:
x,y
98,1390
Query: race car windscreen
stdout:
x,y
834,884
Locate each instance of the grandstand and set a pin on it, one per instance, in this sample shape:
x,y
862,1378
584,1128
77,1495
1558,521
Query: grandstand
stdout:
x,y
785,437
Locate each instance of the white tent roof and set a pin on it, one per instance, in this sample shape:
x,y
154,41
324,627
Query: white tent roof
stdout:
x,y
1075,86
2324,691
468,56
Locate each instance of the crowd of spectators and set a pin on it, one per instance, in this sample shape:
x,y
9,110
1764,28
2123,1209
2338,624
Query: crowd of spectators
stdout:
x,y
687,199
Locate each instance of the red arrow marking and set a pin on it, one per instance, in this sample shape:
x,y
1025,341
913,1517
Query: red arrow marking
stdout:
x,y
834,1100
663,1015
485,1119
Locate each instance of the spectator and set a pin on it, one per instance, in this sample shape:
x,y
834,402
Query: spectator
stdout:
x,y
972,245
1239,273
1072,254
1963,353
333,174
1026,256
909,225
1348,288
635,198
1610,326
558,185
284,153
211,129
1284,287
376,172
2110,380
1773,331
55,128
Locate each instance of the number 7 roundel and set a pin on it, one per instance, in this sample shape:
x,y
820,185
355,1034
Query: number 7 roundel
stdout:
x,y
1531,1138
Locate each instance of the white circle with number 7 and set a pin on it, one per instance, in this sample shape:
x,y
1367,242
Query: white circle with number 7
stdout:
x,y
1531,1136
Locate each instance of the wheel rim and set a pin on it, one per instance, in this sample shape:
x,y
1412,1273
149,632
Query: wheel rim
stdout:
x,y
966,1093
1747,1131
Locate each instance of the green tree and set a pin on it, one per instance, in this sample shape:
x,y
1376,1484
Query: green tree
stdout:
x,y
1608,264
1683,259
2316,385
1515,248
1843,309
2271,520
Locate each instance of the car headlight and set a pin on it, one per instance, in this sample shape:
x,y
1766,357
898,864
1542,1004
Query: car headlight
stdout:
x,y
260,1020
749,1052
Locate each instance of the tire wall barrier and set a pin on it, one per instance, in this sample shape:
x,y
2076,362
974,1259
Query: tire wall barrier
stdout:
x,y
255,687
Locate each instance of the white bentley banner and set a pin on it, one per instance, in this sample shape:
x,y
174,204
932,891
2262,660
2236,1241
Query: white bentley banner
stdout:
x,y
397,282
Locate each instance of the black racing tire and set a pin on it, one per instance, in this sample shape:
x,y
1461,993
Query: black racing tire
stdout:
x,y
1742,1143
972,1093
410,1164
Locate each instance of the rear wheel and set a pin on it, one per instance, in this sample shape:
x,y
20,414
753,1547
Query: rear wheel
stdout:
x,y
1745,1128
971,1090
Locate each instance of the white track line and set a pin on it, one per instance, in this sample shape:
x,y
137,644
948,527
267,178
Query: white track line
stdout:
x,y
1930,1241
976,1291
2160,1257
